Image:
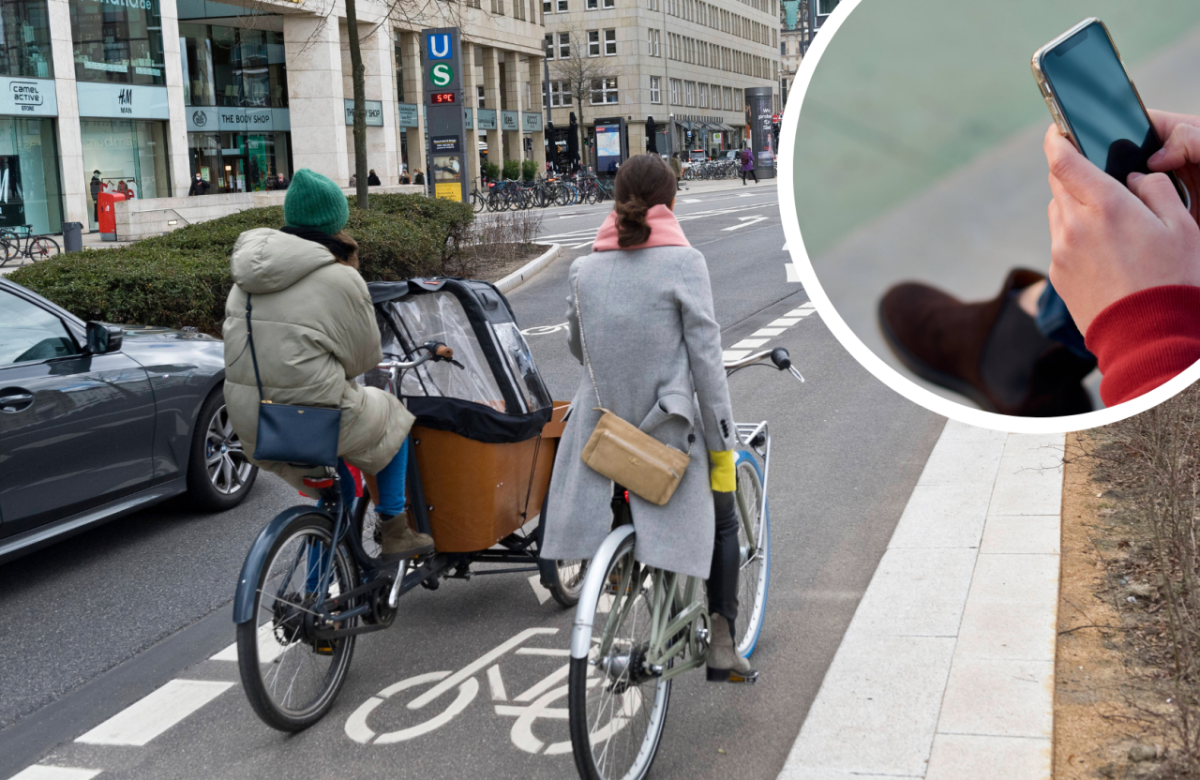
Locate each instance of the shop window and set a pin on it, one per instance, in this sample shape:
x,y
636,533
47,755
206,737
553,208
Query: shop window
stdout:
x,y
120,44
25,32
120,155
29,185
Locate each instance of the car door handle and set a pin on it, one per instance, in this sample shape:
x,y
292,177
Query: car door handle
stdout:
x,y
15,400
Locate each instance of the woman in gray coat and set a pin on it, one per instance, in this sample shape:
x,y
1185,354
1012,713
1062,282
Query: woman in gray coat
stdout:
x,y
655,350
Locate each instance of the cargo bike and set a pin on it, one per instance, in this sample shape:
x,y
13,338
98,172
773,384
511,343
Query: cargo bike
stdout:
x,y
481,454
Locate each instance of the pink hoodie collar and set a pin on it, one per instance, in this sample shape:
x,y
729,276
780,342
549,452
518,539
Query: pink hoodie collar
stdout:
x,y
664,231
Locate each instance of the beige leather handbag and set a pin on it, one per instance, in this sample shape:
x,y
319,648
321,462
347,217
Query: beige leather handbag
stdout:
x,y
625,454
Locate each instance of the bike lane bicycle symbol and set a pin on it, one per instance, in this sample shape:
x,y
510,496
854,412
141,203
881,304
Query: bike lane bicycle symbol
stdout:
x,y
527,707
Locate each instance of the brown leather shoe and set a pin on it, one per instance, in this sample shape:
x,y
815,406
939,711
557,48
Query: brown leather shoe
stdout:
x,y
991,352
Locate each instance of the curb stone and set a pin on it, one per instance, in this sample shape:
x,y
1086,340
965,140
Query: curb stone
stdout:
x,y
529,270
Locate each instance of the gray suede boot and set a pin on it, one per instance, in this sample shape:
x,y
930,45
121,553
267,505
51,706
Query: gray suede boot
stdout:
x,y
399,541
724,664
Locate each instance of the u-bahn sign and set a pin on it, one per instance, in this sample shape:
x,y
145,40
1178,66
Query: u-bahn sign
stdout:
x,y
449,163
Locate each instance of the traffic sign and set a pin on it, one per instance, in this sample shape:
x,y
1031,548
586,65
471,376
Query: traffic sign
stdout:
x,y
441,74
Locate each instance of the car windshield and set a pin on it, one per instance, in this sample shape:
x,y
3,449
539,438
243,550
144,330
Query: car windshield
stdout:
x,y
29,332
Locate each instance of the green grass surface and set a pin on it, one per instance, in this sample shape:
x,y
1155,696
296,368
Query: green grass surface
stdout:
x,y
910,90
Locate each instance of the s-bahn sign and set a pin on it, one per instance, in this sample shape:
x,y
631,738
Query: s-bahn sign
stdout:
x,y
448,159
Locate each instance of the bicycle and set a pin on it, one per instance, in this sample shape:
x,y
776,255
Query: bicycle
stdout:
x,y
315,579
21,242
657,625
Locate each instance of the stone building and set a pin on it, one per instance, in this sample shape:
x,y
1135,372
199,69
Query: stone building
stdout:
x,y
96,94
684,62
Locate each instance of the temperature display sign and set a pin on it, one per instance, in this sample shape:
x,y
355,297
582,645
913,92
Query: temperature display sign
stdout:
x,y
438,98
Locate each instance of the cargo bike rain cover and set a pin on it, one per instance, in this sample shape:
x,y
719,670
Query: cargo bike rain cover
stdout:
x,y
497,396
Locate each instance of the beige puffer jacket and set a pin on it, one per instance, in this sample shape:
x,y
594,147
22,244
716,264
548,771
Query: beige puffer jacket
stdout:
x,y
314,332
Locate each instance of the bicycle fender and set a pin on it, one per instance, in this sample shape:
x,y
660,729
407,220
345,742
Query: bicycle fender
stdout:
x,y
593,583
243,599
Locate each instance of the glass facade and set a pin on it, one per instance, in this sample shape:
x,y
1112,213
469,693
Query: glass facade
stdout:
x,y
120,43
231,66
29,186
240,162
25,33
120,155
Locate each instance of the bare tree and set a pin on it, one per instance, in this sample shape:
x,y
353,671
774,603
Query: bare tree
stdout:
x,y
583,74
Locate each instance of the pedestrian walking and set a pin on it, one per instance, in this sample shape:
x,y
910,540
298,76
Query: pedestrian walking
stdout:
x,y
748,166
297,292
372,179
199,186
643,277
677,169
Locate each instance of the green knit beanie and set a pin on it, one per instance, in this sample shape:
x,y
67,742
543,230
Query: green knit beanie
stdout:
x,y
314,201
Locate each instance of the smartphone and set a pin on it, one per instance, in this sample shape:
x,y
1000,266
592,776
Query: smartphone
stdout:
x,y
1095,104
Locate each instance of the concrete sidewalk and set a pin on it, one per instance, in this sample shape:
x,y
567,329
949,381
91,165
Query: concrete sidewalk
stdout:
x,y
947,669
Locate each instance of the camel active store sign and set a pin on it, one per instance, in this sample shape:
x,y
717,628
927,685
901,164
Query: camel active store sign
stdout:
x,y
122,101
237,120
28,97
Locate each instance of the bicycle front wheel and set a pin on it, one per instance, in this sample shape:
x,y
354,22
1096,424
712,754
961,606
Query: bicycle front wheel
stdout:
x,y
41,248
10,247
754,553
292,677
617,706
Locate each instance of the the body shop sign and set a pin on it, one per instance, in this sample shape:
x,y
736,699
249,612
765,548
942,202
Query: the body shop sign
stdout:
x,y
122,101
28,97
237,120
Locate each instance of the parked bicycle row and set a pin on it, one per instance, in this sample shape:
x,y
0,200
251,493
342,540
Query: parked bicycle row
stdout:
x,y
19,243
516,194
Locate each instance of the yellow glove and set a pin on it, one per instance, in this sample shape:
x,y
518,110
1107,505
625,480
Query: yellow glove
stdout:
x,y
721,471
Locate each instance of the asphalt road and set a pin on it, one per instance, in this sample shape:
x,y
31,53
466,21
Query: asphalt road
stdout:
x,y
94,624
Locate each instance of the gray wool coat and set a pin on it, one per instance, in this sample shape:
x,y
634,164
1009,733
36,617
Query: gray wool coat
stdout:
x,y
655,347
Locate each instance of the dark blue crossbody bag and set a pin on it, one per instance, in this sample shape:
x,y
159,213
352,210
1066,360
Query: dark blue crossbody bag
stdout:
x,y
303,435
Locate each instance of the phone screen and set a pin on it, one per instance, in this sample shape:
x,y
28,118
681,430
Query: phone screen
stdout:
x,y
1100,104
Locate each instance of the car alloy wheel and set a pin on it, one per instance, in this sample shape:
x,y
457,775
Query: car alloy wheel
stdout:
x,y
224,459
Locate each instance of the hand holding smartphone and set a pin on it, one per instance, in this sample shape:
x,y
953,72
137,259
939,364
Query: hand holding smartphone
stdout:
x,y
1095,104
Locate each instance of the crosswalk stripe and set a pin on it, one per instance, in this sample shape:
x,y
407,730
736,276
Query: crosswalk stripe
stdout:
x,y
40,772
750,344
144,720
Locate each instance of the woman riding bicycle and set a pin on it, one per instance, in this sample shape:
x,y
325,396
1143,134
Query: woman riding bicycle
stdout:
x,y
314,333
654,348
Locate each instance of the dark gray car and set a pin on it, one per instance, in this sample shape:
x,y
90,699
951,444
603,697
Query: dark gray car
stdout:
x,y
97,421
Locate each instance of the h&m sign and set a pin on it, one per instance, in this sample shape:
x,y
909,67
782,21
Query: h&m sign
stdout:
x,y
118,101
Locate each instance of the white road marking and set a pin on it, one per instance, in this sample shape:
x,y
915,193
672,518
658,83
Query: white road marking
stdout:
x,y
466,694
544,330
784,248
559,651
549,681
144,720
470,669
543,594
750,344
768,332
747,195
732,355
522,731
793,276
784,322
691,200
40,772
746,222
604,604
496,683
268,647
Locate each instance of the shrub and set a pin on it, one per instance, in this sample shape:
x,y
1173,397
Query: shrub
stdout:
x,y
182,278
512,169
491,170
529,170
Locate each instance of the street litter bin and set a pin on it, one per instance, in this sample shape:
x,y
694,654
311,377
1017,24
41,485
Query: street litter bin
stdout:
x,y
72,236
106,204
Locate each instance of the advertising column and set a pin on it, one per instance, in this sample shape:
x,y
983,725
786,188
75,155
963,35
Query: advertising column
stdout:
x,y
449,163
759,110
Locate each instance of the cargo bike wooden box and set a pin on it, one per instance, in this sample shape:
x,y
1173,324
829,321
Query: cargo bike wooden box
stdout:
x,y
481,455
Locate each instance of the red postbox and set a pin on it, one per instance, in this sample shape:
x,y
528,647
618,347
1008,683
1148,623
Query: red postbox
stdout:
x,y
106,203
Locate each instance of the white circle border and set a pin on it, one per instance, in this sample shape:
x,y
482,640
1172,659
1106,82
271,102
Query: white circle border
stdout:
x,y
860,351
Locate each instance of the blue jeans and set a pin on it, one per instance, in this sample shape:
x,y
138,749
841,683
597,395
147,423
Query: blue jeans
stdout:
x,y
1056,323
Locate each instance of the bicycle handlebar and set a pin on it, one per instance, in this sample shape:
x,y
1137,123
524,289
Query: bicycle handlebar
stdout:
x,y
779,356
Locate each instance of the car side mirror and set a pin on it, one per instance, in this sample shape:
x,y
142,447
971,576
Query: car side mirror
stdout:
x,y
103,338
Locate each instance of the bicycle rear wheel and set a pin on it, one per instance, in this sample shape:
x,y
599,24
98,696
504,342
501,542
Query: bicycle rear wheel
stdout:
x,y
42,247
290,676
10,247
617,707
754,546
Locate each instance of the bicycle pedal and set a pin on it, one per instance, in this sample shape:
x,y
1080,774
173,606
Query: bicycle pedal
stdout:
x,y
730,676
323,648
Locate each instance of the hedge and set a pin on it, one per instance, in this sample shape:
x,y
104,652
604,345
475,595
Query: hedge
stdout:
x,y
182,278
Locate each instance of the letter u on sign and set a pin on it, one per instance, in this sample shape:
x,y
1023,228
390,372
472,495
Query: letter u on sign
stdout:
x,y
439,47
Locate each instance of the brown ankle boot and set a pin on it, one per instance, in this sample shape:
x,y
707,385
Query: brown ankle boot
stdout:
x,y
399,541
991,352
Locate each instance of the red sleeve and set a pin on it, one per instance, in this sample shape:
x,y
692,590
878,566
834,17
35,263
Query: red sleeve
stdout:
x,y
1145,339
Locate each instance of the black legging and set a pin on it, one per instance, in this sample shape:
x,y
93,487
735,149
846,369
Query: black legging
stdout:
x,y
723,579
750,172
